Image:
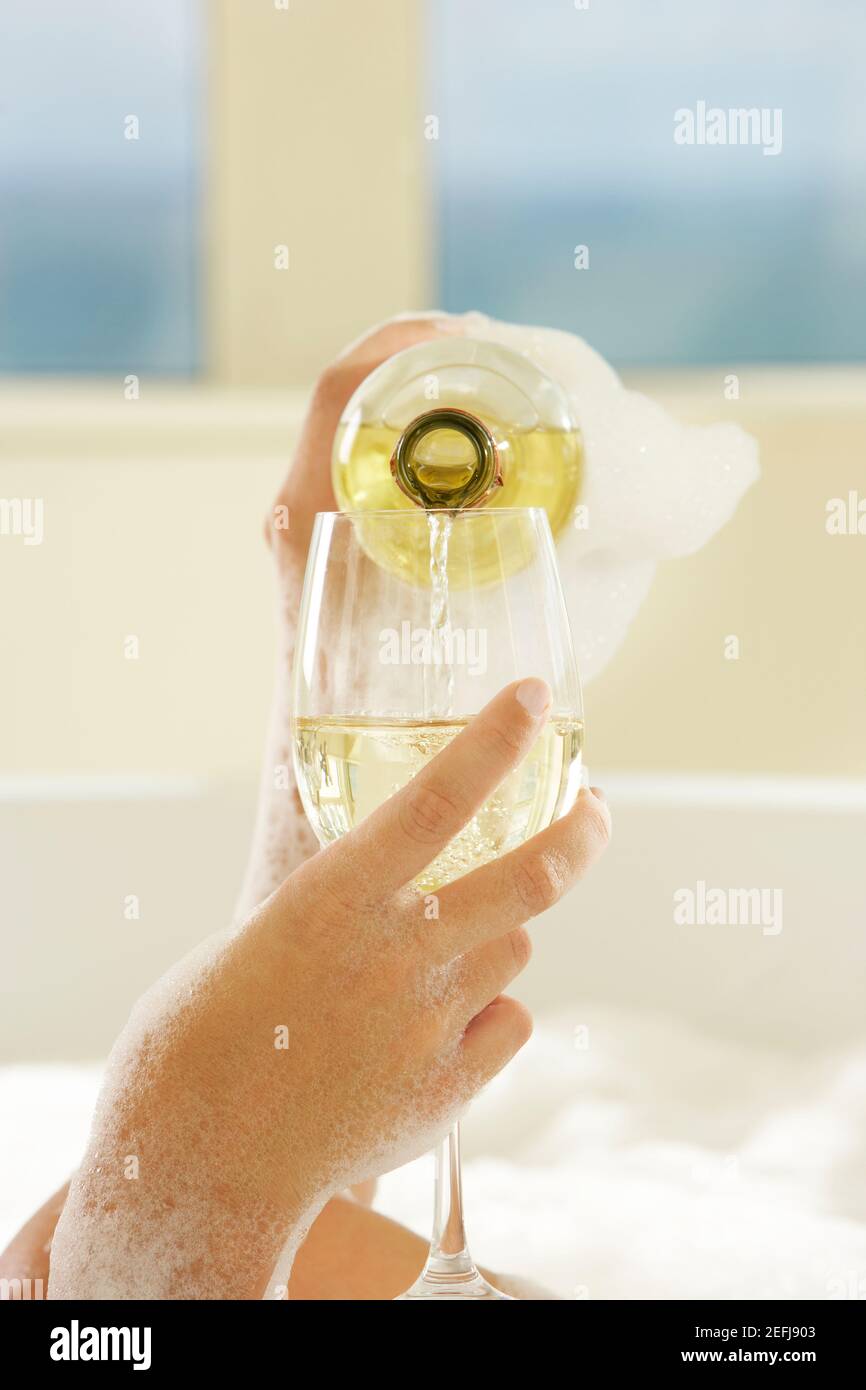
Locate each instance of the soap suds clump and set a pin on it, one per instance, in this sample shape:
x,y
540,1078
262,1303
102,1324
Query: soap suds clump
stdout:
x,y
653,488
662,1163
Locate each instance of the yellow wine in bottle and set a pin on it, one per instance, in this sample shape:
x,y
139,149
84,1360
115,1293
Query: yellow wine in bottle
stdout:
x,y
453,425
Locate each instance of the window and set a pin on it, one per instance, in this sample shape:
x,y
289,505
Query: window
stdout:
x,y
100,167
556,132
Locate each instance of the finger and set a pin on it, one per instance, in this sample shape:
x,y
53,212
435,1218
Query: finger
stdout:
x,y
408,830
485,972
493,1037
498,897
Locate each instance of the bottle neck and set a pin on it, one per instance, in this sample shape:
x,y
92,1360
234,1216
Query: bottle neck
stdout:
x,y
446,458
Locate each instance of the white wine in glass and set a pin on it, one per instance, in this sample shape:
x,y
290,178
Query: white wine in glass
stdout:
x,y
392,661
348,766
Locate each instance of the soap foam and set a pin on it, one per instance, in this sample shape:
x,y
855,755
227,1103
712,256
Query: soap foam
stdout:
x,y
664,1163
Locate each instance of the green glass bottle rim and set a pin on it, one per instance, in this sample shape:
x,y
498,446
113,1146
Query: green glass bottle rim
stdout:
x,y
486,474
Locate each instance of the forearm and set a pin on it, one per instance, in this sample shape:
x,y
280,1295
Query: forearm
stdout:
x,y
282,838
87,1262
190,1186
174,1199
182,1246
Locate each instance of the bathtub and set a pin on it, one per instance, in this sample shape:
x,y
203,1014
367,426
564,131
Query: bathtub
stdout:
x,y
689,1118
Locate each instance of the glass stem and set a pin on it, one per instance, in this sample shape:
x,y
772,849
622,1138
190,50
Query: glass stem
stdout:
x,y
449,1261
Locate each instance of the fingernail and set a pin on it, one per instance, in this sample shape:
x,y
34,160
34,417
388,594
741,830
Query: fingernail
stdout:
x,y
534,696
598,794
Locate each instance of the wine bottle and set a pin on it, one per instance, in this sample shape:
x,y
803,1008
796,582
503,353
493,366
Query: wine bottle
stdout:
x,y
454,424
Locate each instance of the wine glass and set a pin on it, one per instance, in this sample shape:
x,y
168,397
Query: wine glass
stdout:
x,y
403,637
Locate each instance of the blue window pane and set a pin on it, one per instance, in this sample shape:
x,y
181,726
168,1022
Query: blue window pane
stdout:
x,y
98,231
556,130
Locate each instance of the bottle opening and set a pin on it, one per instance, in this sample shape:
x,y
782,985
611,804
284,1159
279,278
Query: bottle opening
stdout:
x,y
444,454
446,458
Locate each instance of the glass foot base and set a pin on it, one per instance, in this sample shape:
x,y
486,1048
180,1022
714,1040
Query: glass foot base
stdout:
x,y
471,1287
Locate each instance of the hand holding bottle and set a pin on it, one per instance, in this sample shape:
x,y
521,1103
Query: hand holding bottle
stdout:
x,y
308,488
